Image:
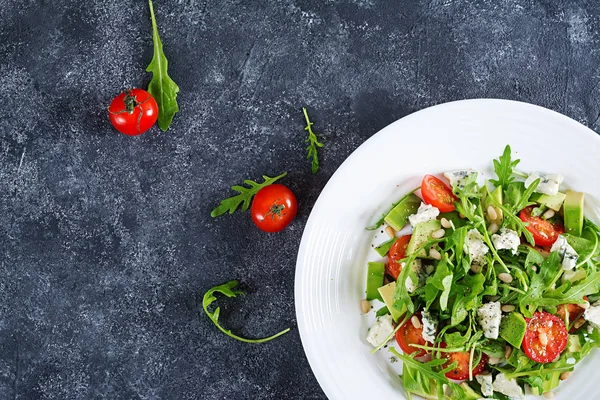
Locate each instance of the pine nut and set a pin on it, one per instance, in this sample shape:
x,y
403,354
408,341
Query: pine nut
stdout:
x,y
445,223
365,306
415,322
543,338
565,375
390,232
548,214
507,352
476,268
493,228
494,360
505,277
508,308
438,234
549,395
533,268
461,215
492,213
580,321
433,253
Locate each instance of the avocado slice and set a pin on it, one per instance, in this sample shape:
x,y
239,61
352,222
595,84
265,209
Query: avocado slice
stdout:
x,y
387,294
512,329
552,202
421,235
398,215
375,272
384,247
573,212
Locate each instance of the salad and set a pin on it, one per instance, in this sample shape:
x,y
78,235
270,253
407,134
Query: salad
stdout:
x,y
491,289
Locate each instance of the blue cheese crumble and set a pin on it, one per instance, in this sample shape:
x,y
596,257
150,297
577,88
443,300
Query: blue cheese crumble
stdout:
x,y
422,272
592,315
508,387
426,212
485,380
458,178
507,239
381,329
430,324
566,252
489,316
549,184
475,247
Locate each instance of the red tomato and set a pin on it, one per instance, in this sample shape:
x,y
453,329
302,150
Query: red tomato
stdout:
x,y
544,232
408,335
273,208
549,348
133,112
397,252
461,371
575,311
437,193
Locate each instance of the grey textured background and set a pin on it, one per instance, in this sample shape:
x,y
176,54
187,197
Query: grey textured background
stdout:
x,y
107,243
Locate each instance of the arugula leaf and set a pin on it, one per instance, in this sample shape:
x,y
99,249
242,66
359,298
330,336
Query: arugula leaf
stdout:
x,y
441,280
161,87
313,143
228,289
504,168
231,204
517,196
511,220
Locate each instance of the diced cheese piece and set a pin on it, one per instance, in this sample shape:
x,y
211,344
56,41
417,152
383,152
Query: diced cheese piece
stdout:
x,y
475,247
458,178
489,316
426,212
430,324
485,380
592,314
566,252
381,329
549,184
422,273
509,387
507,239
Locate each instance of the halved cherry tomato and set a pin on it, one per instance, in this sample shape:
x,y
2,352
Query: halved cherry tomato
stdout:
x,y
437,193
544,232
396,253
408,335
273,208
549,347
461,371
133,112
575,311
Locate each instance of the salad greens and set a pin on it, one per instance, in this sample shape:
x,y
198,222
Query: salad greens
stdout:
x,y
231,204
228,289
313,143
161,87
501,297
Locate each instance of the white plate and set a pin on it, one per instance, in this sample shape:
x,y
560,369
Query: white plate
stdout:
x,y
335,247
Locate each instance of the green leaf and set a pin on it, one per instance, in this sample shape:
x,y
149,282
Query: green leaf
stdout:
x,y
231,204
504,168
228,289
161,87
313,143
517,196
441,280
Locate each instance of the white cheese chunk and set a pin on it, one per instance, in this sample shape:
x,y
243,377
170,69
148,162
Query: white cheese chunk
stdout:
x,y
426,212
458,178
485,380
566,252
430,324
475,247
507,239
417,268
592,314
549,184
489,316
381,329
509,387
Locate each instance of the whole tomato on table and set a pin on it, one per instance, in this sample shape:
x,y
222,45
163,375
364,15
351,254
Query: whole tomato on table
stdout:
x,y
133,112
273,208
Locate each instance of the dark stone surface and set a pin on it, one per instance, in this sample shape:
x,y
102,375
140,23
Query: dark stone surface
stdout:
x,y
107,243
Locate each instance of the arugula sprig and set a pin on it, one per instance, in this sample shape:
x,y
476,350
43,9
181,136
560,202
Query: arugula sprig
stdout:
x,y
313,143
504,168
228,289
231,204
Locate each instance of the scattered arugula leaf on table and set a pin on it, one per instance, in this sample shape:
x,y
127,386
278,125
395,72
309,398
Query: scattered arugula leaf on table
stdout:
x,y
313,143
161,87
231,204
228,289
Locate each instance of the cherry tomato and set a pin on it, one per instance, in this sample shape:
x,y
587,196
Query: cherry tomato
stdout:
x,y
575,311
461,371
437,193
554,337
273,208
133,112
408,335
397,252
544,232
